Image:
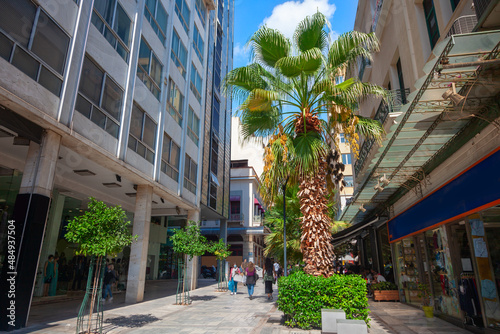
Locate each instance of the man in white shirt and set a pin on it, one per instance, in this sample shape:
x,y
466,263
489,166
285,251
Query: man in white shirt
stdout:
x,y
276,269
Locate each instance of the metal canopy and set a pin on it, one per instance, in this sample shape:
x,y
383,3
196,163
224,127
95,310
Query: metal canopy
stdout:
x,y
428,122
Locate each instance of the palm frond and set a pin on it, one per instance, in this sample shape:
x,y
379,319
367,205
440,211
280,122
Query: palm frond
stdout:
x,y
260,123
308,62
309,149
349,47
370,128
269,45
310,33
243,80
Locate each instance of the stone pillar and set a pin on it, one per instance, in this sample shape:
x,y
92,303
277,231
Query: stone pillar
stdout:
x,y
28,222
139,249
51,236
192,265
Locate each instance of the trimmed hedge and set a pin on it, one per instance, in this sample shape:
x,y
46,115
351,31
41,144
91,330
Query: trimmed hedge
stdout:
x,y
301,298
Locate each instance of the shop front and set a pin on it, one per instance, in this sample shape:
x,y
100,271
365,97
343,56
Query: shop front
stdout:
x,y
449,242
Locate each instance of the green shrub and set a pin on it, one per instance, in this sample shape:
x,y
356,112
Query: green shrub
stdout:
x,y
302,296
384,286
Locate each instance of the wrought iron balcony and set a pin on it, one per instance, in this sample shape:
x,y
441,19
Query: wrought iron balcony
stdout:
x,y
236,217
396,99
480,7
463,25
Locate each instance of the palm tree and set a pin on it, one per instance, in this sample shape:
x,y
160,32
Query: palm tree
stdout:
x,y
274,221
284,93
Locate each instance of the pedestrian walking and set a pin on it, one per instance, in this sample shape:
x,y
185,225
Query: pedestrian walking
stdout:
x,y
252,278
48,274
233,285
109,280
276,269
269,278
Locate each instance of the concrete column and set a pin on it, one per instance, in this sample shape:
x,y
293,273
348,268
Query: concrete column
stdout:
x,y
51,236
223,230
139,249
192,265
29,220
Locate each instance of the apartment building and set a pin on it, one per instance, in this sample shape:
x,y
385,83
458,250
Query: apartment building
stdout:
x,y
426,201
110,99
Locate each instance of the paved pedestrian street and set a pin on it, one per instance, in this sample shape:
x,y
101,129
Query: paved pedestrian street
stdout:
x,y
216,312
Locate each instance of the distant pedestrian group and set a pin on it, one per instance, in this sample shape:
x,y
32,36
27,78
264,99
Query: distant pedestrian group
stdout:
x,y
247,274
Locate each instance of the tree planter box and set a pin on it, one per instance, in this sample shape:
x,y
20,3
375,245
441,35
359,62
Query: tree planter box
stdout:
x,y
379,295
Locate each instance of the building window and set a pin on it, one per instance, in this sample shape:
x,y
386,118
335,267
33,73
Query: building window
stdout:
x,y
190,173
346,159
170,155
349,180
157,16
199,45
99,98
31,41
149,69
432,24
213,195
214,156
179,54
113,23
195,83
342,137
201,9
215,115
183,13
175,102
235,207
142,134
193,126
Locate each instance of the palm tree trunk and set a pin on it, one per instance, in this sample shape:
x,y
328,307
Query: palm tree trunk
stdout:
x,y
316,237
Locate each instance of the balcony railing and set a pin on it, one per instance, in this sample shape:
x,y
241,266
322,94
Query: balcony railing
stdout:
x,y
396,99
257,219
463,25
480,7
237,217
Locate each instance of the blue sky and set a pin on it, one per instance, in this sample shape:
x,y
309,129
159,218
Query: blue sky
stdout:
x,y
284,15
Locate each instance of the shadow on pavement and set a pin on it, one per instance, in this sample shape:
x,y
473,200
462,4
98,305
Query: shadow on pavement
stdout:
x,y
132,321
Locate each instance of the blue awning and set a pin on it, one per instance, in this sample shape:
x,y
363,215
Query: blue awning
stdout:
x,y
475,189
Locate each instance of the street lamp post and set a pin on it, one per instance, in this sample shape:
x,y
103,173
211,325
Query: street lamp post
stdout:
x,y
284,228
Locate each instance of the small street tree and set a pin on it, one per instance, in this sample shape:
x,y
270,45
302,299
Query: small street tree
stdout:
x,y
221,251
102,230
191,243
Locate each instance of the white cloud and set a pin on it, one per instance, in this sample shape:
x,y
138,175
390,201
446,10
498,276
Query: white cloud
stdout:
x,y
286,16
240,51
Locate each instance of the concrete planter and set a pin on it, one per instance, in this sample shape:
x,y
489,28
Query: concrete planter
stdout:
x,y
379,295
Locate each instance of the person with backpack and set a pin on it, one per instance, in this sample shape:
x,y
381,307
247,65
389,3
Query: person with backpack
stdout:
x,y
109,280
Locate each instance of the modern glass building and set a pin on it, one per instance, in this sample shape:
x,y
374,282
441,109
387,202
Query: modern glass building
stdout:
x,y
115,99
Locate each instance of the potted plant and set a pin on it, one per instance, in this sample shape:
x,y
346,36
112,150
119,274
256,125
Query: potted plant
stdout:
x,y
426,300
385,291
100,231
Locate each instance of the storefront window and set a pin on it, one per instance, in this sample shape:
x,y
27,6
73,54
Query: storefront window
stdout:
x,y
443,283
385,249
408,270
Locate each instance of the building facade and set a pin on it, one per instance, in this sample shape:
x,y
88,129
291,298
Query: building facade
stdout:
x,y
425,205
109,99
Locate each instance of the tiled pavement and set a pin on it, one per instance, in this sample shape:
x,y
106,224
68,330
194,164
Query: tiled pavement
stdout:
x,y
216,312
